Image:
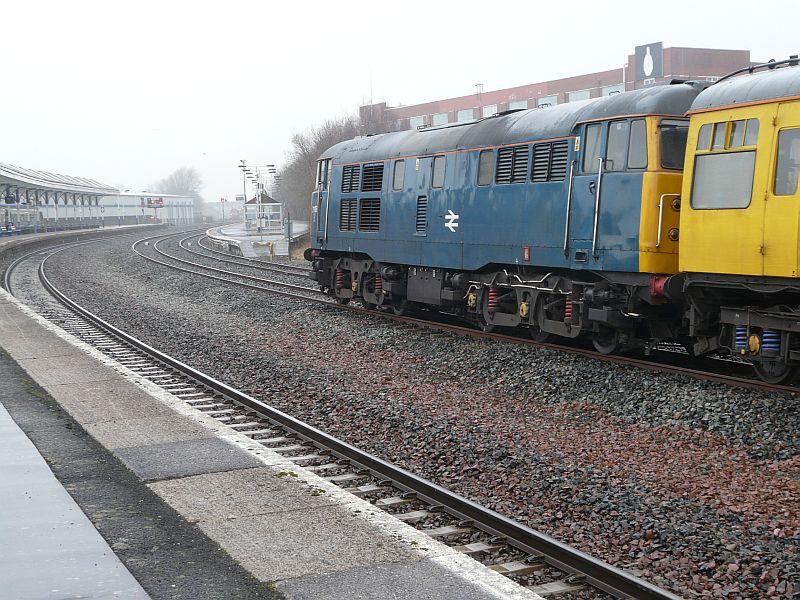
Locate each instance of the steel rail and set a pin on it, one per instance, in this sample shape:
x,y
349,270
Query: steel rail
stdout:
x,y
596,572
282,284
249,265
463,331
258,264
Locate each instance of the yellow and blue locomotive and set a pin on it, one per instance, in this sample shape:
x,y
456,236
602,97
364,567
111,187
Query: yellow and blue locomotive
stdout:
x,y
568,220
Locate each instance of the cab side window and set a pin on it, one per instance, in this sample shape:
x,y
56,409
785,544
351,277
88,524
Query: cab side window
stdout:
x,y
788,163
617,146
637,150
592,150
438,171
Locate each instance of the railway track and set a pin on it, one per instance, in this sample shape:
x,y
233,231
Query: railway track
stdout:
x,y
535,560
249,262
669,360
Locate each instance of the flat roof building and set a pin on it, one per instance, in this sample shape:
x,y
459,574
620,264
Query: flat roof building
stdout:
x,y
650,64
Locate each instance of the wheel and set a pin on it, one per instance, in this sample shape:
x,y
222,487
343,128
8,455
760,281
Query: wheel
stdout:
x,y
606,341
775,371
369,305
342,301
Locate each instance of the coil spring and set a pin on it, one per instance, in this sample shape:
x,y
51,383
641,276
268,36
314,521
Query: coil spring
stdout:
x,y
771,340
378,285
740,337
568,311
339,279
492,302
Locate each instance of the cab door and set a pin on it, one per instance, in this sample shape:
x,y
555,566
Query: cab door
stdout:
x,y
319,201
782,207
586,185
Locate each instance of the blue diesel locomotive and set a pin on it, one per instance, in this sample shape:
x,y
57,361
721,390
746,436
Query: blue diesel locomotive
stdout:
x,y
563,220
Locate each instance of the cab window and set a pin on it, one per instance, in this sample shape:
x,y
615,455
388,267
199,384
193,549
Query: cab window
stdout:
x,y
399,174
485,163
704,136
637,150
592,149
672,135
788,163
437,180
617,146
751,135
723,179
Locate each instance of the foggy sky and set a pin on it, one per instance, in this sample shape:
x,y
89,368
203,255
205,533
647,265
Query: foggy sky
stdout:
x,y
127,93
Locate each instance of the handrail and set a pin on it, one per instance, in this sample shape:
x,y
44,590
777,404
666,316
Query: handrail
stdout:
x,y
569,207
661,215
597,207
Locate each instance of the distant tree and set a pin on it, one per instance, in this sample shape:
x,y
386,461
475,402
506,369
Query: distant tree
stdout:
x,y
298,176
185,181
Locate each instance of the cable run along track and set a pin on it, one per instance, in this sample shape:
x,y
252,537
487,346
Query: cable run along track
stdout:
x,y
534,559
314,295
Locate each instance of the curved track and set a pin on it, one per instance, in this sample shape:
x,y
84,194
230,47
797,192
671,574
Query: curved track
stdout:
x,y
534,559
666,361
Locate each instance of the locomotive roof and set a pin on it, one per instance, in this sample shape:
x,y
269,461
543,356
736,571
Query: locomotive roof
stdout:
x,y
753,87
516,127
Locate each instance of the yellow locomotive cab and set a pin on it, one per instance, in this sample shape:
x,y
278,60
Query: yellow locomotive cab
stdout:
x,y
661,196
741,209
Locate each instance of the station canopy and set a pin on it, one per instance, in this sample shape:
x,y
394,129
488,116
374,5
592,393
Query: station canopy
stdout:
x,y
18,184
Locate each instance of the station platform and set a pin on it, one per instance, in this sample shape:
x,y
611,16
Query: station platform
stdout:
x,y
252,244
190,507
50,548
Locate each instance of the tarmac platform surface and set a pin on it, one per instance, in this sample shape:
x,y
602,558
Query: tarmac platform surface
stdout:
x,y
192,508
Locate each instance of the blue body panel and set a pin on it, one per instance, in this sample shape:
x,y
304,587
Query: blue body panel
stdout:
x,y
497,222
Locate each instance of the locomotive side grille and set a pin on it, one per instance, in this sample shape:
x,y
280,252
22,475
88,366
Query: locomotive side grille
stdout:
x,y
369,218
422,214
519,170
350,177
558,161
505,160
348,214
512,164
541,162
372,181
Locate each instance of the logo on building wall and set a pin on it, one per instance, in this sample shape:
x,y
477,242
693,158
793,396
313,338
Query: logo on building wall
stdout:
x,y
649,61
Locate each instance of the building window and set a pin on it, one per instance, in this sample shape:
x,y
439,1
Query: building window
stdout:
x,y
579,95
591,150
440,119
788,166
545,101
518,105
613,90
723,180
466,114
437,180
416,122
489,110
399,174
617,145
485,167
637,148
